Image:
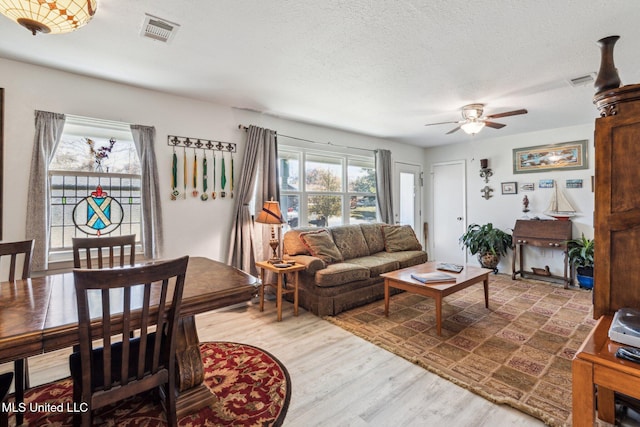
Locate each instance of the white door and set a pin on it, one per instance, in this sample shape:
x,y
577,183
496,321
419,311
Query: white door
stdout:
x,y
449,208
406,203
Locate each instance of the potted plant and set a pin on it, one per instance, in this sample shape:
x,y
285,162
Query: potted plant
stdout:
x,y
580,253
488,242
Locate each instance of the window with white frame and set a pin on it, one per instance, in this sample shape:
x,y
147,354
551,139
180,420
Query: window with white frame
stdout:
x,y
93,153
325,189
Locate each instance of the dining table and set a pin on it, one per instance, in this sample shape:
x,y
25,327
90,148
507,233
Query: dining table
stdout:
x,y
39,315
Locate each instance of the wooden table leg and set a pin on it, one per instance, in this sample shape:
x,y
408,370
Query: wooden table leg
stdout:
x,y
485,283
606,405
583,394
295,293
192,393
279,297
386,298
262,289
438,299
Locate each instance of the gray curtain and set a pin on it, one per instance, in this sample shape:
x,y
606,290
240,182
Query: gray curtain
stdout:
x,y
152,237
49,128
383,186
260,163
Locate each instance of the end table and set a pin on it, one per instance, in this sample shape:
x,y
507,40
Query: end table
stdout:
x,y
279,286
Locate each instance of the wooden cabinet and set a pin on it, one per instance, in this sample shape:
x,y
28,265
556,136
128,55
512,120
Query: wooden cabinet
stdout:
x,y
543,234
617,200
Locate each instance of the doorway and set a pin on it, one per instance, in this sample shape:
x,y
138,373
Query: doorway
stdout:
x,y
449,211
406,203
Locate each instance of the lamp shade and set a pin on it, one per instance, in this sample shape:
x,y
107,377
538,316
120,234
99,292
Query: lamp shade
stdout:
x,y
49,16
472,127
270,213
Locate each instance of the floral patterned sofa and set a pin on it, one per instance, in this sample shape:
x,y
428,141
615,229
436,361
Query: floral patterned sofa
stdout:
x,y
344,263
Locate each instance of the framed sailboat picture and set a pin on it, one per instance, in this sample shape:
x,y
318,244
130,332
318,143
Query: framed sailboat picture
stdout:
x,y
542,158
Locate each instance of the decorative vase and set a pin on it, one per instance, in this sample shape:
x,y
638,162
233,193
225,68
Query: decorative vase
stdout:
x,y
489,260
608,77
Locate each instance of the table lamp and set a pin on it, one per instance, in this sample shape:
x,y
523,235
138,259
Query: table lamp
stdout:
x,y
271,214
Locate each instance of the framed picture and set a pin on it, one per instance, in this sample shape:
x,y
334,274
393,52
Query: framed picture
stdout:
x,y
509,188
527,186
542,158
574,183
545,183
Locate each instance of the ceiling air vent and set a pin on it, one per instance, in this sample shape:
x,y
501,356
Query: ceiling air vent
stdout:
x,y
583,80
158,29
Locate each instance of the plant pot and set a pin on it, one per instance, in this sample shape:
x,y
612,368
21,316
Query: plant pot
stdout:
x,y
586,282
489,260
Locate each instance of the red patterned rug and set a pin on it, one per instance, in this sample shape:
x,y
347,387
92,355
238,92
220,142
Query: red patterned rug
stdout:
x,y
252,386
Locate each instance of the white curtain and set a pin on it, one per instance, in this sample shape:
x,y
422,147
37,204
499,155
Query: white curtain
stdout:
x,y
152,236
384,191
260,163
49,128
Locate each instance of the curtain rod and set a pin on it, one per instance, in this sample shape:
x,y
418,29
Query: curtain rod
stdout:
x,y
246,128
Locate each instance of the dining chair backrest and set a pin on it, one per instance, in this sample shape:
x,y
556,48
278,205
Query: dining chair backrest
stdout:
x,y
123,299
14,250
115,248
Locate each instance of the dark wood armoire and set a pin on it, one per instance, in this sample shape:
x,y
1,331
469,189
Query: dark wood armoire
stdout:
x,y
617,200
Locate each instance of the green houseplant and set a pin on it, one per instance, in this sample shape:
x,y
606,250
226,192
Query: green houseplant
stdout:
x,y
580,252
489,242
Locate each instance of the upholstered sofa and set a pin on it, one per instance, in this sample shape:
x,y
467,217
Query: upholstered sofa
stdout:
x,y
344,263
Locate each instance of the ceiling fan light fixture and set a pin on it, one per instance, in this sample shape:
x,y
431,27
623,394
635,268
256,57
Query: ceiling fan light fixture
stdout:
x,y
472,127
49,16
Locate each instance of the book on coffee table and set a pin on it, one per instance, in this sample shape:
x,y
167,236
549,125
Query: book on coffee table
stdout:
x,y
433,277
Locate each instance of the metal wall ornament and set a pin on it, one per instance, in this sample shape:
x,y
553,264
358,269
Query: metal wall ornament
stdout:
x,y
486,192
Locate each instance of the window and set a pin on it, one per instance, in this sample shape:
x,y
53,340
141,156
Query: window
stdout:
x,y
84,159
320,189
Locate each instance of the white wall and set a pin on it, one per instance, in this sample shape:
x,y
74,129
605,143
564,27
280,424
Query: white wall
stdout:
x,y
504,210
190,227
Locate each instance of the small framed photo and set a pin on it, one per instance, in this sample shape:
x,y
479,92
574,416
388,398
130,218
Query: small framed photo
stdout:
x,y
509,188
574,183
527,186
545,183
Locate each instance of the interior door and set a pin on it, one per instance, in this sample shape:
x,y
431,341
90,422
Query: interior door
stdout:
x,y
407,196
449,209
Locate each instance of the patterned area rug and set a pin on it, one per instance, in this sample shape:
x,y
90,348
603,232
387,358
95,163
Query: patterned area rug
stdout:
x,y
517,352
253,389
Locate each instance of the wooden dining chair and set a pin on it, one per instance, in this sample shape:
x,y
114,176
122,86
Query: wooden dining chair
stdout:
x,y
124,366
103,250
15,252
5,385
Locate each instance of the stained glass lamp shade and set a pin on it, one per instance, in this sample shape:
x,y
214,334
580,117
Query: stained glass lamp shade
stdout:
x,y
49,16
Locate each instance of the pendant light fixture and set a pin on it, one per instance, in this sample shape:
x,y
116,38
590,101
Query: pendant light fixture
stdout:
x,y
49,16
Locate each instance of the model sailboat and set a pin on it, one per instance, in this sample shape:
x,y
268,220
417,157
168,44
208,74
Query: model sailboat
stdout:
x,y
559,206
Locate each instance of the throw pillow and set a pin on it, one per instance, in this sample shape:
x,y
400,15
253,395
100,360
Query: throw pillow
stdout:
x,y
321,245
400,238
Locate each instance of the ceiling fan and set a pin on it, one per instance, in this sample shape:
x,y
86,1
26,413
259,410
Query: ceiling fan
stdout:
x,y
474,121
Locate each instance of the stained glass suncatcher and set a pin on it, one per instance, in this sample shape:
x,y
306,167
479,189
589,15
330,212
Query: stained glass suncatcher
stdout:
x,y
98,214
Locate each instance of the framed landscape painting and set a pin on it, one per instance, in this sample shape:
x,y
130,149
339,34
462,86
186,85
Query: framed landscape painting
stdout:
x,y
542,158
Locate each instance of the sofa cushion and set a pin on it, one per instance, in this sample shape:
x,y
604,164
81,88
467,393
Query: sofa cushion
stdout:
x,y
292,244
373,235
340,273
405,258
350,241
399,238
320,244
376,265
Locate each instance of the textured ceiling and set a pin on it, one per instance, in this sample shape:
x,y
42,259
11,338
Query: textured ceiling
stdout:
x,y
378,67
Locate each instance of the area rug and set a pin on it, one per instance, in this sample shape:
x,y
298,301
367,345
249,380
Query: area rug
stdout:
x,y
518,352
252,388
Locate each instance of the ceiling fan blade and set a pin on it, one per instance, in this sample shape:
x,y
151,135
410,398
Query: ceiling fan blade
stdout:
x,y
444,123
454,130
507,114
494,125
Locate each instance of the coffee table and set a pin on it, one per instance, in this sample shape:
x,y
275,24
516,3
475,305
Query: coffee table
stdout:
x,y
401,279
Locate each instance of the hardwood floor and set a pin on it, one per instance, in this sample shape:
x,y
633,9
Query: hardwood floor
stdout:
x,y
337,378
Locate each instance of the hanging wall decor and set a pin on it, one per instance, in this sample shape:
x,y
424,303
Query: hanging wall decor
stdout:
x,y
204,196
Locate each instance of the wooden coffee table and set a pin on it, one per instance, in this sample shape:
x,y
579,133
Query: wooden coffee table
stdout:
x,y
401,279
